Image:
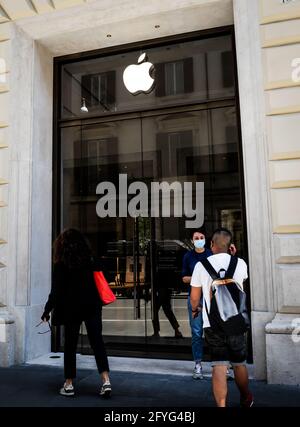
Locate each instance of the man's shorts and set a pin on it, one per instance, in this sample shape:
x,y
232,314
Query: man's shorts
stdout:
x,y
226,350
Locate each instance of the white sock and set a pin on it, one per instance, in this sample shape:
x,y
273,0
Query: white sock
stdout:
x,y
68,385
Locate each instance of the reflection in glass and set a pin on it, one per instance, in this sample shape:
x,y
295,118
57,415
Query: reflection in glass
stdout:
x,y
194,71
190,146
142,256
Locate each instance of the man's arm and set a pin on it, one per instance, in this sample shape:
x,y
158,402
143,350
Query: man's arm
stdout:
x,y
196,290
245,283
195,297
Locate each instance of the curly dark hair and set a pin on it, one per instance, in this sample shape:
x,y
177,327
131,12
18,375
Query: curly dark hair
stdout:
x,y
72,249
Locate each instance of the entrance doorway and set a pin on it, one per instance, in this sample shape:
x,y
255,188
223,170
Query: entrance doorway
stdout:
x,y
192,137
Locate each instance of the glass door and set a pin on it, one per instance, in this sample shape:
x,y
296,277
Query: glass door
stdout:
x,y
170,141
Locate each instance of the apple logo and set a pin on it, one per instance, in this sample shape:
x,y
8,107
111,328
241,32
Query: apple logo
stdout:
x,y
137,78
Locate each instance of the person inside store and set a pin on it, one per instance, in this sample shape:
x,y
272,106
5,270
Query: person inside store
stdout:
x,y
166,280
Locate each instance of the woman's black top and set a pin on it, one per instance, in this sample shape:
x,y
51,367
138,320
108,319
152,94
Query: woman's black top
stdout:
x,y
73,296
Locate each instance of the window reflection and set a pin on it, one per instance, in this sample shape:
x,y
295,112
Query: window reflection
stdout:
x,y
99,90
192,146
186,72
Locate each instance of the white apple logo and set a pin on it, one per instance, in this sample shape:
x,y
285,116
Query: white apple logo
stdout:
x,y
137,78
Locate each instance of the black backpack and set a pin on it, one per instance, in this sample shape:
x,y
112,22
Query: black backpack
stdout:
x,y
229,298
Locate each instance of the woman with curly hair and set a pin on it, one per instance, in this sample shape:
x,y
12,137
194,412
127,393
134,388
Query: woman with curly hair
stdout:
x,y
74,299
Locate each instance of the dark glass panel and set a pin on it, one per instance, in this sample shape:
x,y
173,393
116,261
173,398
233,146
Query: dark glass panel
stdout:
x,y
185,72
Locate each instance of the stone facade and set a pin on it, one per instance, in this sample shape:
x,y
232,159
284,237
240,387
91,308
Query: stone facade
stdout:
x,y
7,321
267,41
280,43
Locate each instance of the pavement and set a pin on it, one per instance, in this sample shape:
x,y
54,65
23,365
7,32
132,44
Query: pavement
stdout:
x,y
137,383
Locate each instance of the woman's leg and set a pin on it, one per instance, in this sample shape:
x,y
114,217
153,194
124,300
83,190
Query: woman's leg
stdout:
x,y
70,345
166,295
156,308
94,331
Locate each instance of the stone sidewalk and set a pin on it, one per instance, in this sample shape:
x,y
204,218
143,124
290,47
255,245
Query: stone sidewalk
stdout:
x,y
37,385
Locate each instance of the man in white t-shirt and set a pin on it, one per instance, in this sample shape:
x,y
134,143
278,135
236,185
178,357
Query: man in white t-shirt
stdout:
x,y
224,349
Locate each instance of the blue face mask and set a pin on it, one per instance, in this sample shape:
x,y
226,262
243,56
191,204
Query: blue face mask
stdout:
x,y
199,244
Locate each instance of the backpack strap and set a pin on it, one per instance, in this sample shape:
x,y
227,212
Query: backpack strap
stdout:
x,y
209,268
232,267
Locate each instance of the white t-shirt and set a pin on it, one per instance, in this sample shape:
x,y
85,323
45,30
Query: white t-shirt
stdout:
x,y
201,278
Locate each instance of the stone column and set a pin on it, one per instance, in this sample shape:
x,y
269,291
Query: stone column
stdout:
x,y
268,39
28,170
7,324
254,142
280,47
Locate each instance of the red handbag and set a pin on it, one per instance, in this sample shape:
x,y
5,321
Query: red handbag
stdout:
x,y
106,294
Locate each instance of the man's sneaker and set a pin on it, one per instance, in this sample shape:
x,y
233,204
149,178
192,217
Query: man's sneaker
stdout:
x,y
198,374
105,389
67,390
247,402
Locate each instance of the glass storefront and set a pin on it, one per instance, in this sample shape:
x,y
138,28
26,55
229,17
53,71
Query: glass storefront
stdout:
x,y
186,129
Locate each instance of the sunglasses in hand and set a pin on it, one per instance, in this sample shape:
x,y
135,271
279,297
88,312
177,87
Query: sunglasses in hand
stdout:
x,y
41,322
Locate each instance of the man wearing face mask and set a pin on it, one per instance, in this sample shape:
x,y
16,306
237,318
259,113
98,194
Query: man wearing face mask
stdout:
x,y
190,259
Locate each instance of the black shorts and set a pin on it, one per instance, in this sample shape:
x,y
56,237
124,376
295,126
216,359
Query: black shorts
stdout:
x,y
226,350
